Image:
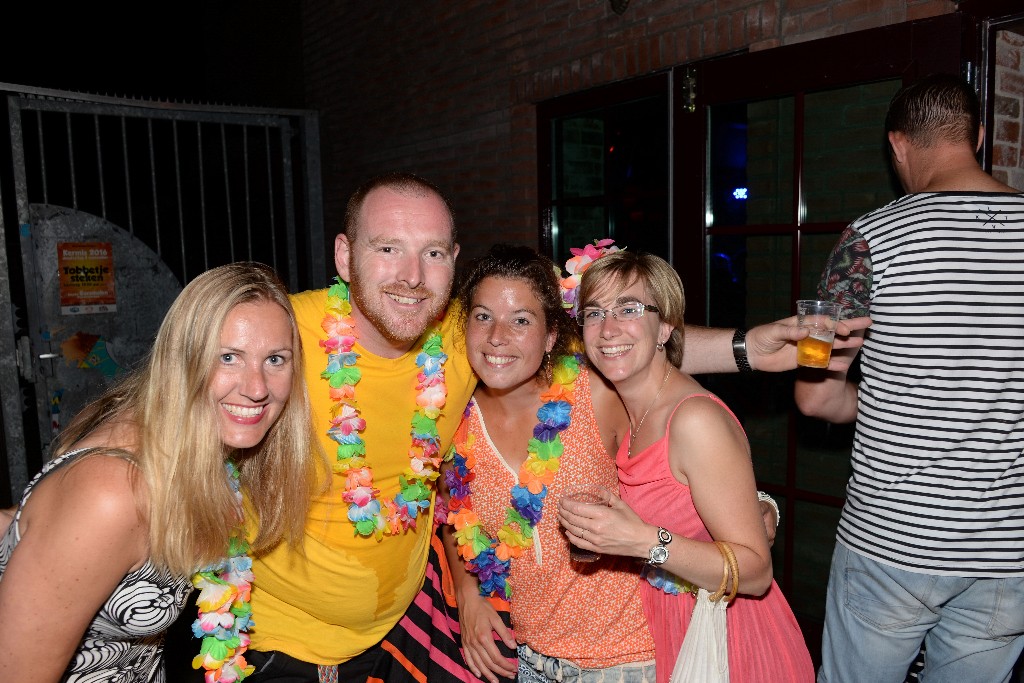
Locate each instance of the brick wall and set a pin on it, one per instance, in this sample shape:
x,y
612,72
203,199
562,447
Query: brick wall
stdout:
x,y
1007,160
448,89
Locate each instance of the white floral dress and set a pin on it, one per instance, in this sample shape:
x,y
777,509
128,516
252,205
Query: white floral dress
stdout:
x,y
125,641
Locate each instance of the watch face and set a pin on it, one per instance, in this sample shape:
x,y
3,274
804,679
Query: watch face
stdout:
x,y
659,554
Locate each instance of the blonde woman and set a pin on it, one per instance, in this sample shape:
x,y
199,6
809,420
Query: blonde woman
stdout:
x,y
686,479
145,489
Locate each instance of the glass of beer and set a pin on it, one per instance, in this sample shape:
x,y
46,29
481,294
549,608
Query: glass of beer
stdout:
x,y
821,318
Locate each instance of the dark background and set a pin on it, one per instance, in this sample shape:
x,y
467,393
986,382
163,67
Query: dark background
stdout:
x,y
215,52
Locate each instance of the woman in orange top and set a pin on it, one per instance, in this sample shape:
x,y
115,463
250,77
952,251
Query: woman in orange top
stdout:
x,y
539,425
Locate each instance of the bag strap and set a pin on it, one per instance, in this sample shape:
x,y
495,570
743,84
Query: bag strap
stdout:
x,y
730,574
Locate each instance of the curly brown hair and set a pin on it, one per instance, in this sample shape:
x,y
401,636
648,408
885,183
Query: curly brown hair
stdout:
x,y
512,262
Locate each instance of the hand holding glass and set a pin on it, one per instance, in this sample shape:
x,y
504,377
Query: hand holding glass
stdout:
x,y
590,494
821,318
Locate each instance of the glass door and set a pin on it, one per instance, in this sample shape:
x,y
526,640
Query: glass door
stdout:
x,y
776,154
604,167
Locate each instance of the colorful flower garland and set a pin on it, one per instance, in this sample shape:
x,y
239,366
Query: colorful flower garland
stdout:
x,y
666,581
491,558
225,615
365,510
575,266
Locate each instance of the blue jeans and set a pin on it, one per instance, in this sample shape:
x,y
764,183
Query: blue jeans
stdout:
x,y
877,617
537,668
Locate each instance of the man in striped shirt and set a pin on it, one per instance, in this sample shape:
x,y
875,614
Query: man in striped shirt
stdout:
x,y
930,546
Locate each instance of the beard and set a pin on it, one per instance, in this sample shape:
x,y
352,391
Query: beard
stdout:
x,y
397,328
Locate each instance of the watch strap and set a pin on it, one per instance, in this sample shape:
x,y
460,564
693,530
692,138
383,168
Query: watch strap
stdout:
x,y
739,350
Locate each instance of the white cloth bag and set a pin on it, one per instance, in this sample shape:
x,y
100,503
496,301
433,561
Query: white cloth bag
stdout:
x,y
704,654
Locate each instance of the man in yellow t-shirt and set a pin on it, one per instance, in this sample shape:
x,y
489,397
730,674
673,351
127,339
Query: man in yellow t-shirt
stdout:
x,y
333,603
325,609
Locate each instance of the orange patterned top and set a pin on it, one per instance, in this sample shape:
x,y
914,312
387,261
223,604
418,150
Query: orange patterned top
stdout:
x,y
591,614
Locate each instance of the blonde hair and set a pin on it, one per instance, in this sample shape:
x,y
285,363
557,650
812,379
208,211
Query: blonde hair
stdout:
x,y
192,510
619,270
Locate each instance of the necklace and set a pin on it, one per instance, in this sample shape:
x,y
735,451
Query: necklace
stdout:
x,y
225,615
633,432
490,558
366,511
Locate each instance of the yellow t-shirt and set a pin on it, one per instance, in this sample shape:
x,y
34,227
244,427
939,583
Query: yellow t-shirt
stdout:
x,y
346,592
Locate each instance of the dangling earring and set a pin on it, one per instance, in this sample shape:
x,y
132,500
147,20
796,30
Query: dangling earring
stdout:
x,y
660,346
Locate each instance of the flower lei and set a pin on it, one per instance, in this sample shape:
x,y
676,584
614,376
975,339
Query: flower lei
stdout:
x,y
666,581
225,615
365,508
580,261
491,558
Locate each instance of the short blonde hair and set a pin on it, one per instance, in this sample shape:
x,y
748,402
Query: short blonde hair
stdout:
x,y
619,270
192,510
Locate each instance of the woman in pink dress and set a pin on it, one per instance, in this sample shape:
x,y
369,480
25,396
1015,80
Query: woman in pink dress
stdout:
x,y
686,478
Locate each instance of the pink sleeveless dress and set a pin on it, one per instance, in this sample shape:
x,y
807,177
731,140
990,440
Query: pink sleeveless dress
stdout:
x,y
765,642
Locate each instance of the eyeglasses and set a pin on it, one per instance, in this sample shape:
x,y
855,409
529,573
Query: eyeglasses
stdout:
x,y
631,311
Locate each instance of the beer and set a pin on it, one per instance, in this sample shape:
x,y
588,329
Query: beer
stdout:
x,y
820,318
814,351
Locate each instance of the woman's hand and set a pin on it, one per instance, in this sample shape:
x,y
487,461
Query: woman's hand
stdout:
x,y
611,528
480,622
478,619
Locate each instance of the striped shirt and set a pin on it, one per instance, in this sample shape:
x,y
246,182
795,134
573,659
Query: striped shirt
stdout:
x,y
938,470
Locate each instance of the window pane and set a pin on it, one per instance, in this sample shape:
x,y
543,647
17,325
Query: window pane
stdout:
x,y
637,174
751,163
749,279
846,162
575,226
750,284
610,177
579,158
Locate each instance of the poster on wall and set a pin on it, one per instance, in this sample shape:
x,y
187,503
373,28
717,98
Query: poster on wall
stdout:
x,y
86,271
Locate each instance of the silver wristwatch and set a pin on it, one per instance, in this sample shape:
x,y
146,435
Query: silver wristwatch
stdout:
x,y
659,553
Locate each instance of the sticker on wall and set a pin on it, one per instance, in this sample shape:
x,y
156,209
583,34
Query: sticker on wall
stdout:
x,y
86,271
89,351
55,411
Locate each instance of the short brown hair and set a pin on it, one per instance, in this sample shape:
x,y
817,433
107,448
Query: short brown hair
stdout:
x,y
408,184
937,108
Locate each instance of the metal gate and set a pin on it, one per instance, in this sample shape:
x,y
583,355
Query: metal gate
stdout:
x,y
147,194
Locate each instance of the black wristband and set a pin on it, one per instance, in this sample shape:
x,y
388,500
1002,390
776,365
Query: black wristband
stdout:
x,y
739,350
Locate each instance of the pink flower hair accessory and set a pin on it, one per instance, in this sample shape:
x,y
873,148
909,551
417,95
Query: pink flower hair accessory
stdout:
x,y
577,265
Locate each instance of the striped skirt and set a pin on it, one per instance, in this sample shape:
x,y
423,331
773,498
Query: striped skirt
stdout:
x,y
426,644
